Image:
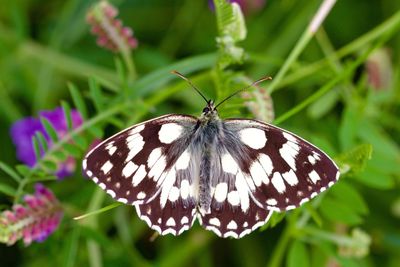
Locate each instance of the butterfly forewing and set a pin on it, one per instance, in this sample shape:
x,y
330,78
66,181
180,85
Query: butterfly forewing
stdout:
x,y
131,166
282,170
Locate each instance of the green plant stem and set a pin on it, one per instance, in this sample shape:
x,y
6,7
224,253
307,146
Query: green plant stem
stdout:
x,y
98,211
94,251
299,47
279,251
328,86
127,57
391,24
339,240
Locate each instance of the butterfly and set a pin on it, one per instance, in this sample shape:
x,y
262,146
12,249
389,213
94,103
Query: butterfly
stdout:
x,y
229,174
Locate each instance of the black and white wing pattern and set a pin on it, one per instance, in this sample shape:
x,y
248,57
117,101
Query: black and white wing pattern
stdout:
x,y
233,212
230,175
148,166
282,170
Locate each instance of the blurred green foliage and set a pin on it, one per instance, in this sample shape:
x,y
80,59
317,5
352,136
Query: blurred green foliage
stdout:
x,y
338,88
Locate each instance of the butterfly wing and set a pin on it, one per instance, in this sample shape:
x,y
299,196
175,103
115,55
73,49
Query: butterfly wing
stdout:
x,y
132,165
281,169
233,212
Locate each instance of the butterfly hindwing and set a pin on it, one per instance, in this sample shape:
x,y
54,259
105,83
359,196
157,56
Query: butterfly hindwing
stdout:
x,y
233,211
282,170
131,166
173,209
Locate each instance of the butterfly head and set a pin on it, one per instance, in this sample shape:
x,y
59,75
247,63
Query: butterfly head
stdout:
x,y
209,112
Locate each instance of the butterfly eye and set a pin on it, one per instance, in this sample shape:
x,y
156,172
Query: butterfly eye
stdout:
x,y
206,110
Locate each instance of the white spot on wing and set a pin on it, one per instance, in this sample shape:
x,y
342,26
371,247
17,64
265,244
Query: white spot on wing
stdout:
x,y
290,177
215,221
221,191
106,167
266,163
139,175
289,137
242,187
129,169
135,145
233,198
111,193
153,157
89,173
137,129
183,161
272,201
123,200
141,195
173,194
185,187
314,176
278,183
84,163
111,150
289,152
258,174
253,137
184,220
311,159
166,187
169,132
171,222
229,164
158,168
232,225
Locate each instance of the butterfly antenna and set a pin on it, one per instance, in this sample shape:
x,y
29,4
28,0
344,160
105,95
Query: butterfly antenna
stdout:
x,y
244,89
190,83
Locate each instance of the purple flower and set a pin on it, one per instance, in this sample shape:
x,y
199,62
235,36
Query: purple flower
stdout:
x,y
34,221
248,6
110,32
24,130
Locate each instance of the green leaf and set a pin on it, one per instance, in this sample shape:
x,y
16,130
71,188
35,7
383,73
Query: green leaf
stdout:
x,y
96,131
353,162
349,127
7,190
72,150
36,148
42,140
49,129
8,170
337,211
96,95
298,255
67,113
232,28
23,169
60,155
80,141
50,165
230,20
347,194
324,104
78,100
375,178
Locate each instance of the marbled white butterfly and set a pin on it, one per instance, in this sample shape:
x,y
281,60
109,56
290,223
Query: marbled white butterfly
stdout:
x,y
229,174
